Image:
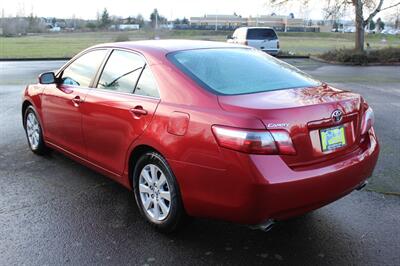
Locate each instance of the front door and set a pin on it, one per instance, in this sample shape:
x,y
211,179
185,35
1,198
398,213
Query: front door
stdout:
x,y
62,103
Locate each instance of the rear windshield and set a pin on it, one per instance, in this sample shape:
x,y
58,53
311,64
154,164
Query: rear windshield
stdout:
x,y
231,71
261,34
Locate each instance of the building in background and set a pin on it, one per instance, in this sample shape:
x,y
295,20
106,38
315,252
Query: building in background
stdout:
x,y
230,22
227,22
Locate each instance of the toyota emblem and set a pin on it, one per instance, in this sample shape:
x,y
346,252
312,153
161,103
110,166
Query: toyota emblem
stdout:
x,y
337,116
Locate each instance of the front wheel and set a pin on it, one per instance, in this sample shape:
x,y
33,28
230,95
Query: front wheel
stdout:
x,y
157,193
34,132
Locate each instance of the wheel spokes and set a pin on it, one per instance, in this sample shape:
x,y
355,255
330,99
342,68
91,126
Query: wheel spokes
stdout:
x,y
154,192
145,189
146,176
165,195
163,207
153,173
156,211
161,181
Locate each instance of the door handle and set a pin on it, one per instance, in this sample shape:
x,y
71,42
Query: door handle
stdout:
x,y
77,100
138,111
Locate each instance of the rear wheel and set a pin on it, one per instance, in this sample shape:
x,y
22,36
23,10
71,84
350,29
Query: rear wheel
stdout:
x,y
34,132
157,193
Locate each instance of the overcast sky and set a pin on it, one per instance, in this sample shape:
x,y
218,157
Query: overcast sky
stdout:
x,y
87,9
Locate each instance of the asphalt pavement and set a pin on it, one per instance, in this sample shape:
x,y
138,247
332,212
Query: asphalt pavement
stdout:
x,y
54,211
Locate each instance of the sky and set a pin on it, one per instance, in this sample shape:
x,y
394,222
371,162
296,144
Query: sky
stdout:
x,y
169,8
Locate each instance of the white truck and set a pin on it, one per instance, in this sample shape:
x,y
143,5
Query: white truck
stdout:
x,y
262,38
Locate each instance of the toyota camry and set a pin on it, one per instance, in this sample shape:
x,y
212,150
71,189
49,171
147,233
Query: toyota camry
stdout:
x,y
204,129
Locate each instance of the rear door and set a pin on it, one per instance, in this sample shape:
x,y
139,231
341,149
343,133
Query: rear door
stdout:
x,y
263,39
116,113
62,103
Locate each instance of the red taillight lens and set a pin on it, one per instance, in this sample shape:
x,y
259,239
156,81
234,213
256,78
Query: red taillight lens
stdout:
x,y
283,141
367,121
253,141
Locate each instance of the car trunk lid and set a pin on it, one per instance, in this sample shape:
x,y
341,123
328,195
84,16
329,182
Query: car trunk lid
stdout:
x,y
303,112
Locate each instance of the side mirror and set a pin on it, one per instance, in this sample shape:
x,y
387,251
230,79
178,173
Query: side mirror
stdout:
x,y
47,78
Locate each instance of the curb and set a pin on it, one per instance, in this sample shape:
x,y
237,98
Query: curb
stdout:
x,y
294,56
351,64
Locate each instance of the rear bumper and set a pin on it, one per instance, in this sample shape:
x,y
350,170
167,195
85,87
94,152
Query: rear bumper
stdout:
x,y
271,51
255,188
296,192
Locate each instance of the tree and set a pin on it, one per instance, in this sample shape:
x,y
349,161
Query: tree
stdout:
x,y
373,7
156,19
139,20
380,25
185,21
372,25
105,19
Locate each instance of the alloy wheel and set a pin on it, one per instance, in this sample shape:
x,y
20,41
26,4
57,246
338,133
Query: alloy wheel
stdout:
x,y
154,192
33,130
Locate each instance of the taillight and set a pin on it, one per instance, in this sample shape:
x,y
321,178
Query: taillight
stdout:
x,y
246,43
283,141
253,141
277,44
368,120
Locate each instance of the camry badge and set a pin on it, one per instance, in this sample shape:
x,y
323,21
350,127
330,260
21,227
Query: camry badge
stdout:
x,y
274,125
337,116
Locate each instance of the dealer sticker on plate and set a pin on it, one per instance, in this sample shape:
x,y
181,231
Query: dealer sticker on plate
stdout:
x,y
332,138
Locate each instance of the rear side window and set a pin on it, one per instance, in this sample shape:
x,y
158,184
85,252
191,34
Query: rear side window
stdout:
x,y
82,70
231,71
121,72
261,34
147,86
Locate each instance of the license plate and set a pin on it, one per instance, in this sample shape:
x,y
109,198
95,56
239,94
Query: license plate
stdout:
x,y
332,138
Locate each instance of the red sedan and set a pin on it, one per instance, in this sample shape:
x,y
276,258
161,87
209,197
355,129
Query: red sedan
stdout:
x,y
204,129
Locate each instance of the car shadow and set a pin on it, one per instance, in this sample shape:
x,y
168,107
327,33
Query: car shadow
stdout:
x,y
97,215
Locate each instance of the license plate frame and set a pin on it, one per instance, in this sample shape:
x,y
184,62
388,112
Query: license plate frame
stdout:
x,y
332,138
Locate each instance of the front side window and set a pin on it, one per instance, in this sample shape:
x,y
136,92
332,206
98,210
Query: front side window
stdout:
x,y
231,71
147,86
82,70
121,72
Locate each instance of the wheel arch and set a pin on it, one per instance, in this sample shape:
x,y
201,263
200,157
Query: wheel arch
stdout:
x,y
134,156
25,106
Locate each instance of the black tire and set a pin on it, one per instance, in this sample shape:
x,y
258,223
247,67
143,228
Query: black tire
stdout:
x,y
40,147
177,215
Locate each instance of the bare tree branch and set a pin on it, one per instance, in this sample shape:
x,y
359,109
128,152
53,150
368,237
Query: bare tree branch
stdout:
x,y
372,15
388,7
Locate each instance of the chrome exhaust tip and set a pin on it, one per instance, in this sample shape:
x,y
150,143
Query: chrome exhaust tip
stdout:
x,y
266,226
362,185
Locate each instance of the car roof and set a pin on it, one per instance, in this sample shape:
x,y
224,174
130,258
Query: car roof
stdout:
x,y
155,50
168,46
266,28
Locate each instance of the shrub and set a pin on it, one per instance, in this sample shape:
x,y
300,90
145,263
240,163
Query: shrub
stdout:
x,y
349,56
123,37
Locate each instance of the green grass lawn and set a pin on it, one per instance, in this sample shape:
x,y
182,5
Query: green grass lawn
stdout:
x,y
68,44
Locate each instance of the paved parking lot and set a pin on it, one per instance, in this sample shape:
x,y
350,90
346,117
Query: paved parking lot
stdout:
x,y
54,211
